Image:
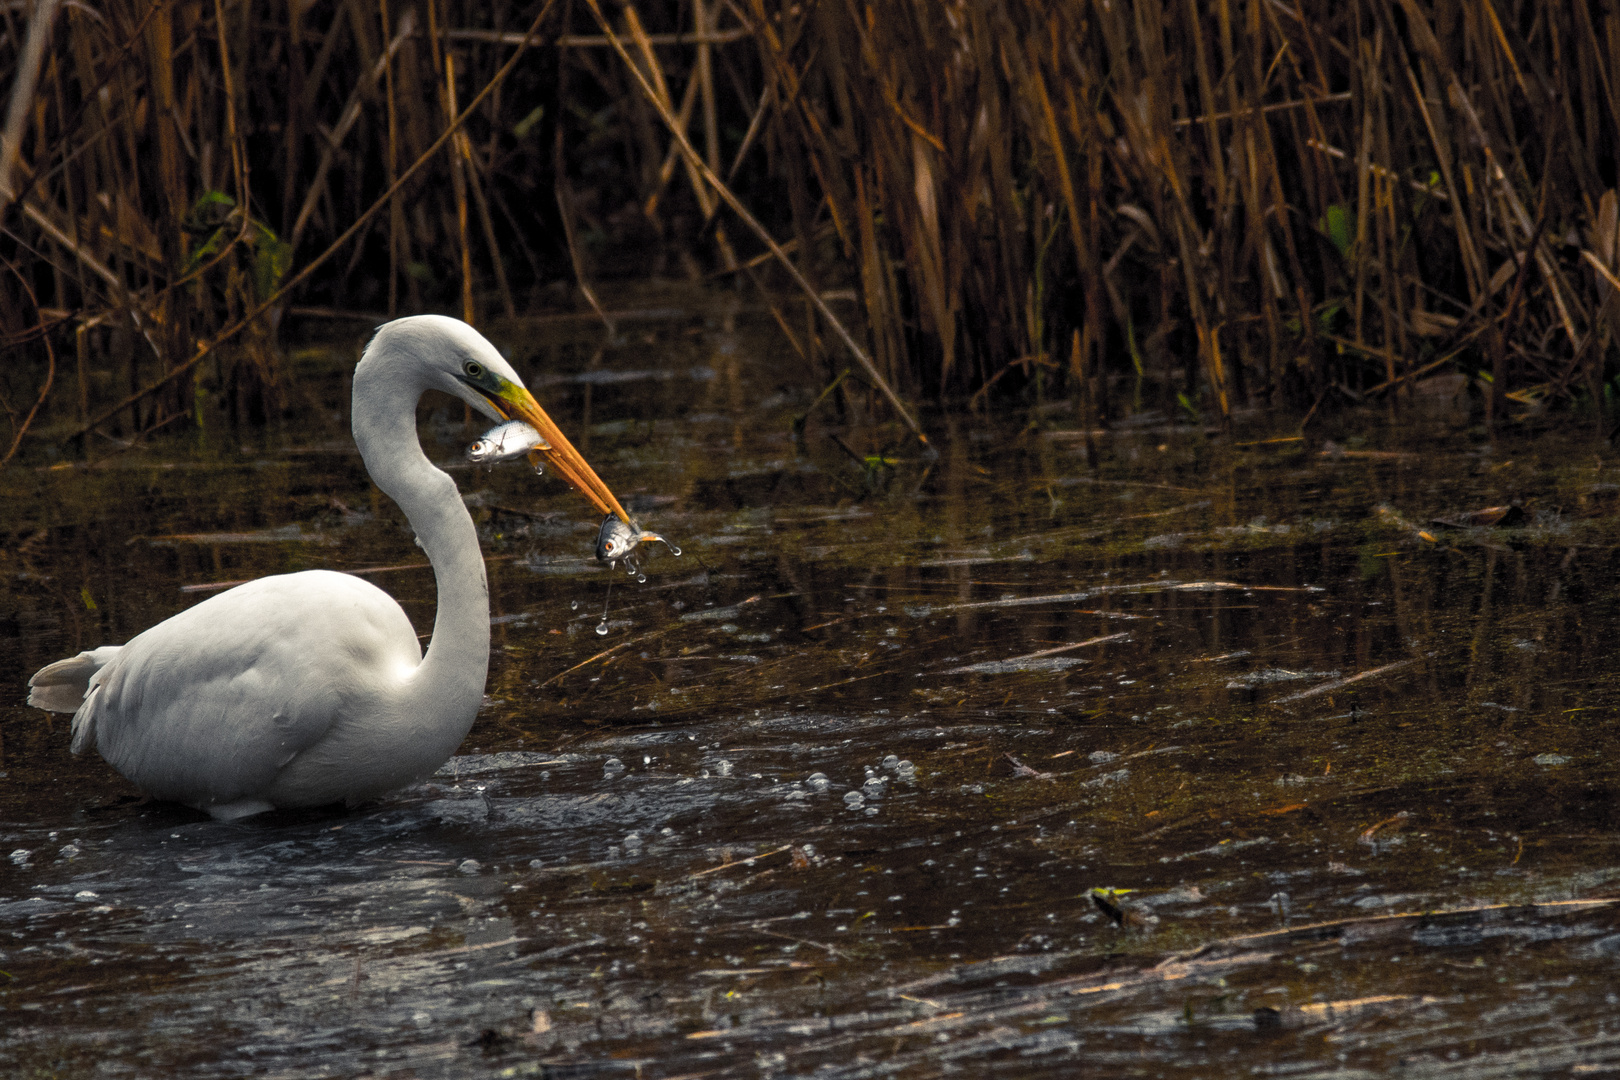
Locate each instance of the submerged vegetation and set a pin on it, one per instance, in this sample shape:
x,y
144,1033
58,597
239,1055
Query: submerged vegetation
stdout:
x,y
1137,204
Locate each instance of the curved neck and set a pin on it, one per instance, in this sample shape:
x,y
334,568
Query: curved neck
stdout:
x,y
448,686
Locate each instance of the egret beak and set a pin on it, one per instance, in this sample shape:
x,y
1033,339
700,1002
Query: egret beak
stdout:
x,y
515,402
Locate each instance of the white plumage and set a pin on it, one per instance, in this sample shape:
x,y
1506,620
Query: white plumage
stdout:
x,y
311,688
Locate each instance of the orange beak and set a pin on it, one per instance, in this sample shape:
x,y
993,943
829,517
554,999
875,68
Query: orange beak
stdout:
x,y
556,450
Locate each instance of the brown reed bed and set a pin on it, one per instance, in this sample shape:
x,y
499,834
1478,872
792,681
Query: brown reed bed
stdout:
x,y
1136,203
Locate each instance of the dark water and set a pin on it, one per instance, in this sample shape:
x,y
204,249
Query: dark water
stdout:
x,y
1358,781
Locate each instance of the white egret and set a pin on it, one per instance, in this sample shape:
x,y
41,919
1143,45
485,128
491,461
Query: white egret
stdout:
x,y
311,688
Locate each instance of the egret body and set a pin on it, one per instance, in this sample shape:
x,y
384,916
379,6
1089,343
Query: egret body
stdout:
x,y
311,688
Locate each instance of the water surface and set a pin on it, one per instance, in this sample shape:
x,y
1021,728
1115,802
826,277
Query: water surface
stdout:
x,y
832,793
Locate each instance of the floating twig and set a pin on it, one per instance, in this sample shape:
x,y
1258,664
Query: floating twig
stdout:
x,y
1336,684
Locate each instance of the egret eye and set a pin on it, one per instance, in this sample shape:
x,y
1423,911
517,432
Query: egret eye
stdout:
x,y
474,369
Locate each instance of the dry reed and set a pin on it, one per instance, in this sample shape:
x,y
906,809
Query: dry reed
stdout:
x,y
1137,202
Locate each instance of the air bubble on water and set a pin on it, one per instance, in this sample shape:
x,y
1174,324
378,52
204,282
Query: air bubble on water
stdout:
x,y
535,864
469,866
601,628
873,787
853,799
612,767
905,770
891,761
723,767
818,781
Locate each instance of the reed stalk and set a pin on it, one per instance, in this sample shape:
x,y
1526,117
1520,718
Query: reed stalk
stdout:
x,y
1191,205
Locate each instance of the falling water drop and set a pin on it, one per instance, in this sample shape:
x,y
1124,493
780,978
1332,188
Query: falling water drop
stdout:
x,y
601,628
673,550
539,470
573,606
641,579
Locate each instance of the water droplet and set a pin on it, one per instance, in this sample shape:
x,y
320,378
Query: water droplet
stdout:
x,y
723,767
612,767
469,866
853,799
574,606
891,761
630,568
873,787
539,470
905,770
601,628
675,551
535,864
641,579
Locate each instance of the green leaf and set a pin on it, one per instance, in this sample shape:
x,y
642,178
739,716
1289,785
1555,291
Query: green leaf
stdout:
x,y
522,128
1340,226
210,211
272,258
208,250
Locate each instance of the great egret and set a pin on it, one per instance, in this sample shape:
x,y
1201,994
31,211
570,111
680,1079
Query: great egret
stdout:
x,y
310,688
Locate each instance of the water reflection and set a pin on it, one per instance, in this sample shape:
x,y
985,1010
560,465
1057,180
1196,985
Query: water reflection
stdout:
x,y
834,791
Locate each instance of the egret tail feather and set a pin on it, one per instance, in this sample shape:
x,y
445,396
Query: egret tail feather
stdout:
x,y
61,687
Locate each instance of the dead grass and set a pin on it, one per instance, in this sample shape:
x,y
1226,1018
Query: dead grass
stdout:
x,y
1138,203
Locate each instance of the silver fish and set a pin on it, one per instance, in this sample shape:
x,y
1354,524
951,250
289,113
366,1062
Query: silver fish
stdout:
x,y
616,540
509,440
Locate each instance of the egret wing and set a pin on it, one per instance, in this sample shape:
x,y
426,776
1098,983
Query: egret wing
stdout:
x,y
208,706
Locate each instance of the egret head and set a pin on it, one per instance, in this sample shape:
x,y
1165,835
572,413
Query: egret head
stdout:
x,y
449,355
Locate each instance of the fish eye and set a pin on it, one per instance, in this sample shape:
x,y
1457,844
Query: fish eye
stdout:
x,y
474,369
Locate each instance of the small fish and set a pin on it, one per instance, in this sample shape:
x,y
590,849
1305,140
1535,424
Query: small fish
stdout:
x,y
616,540
509,440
